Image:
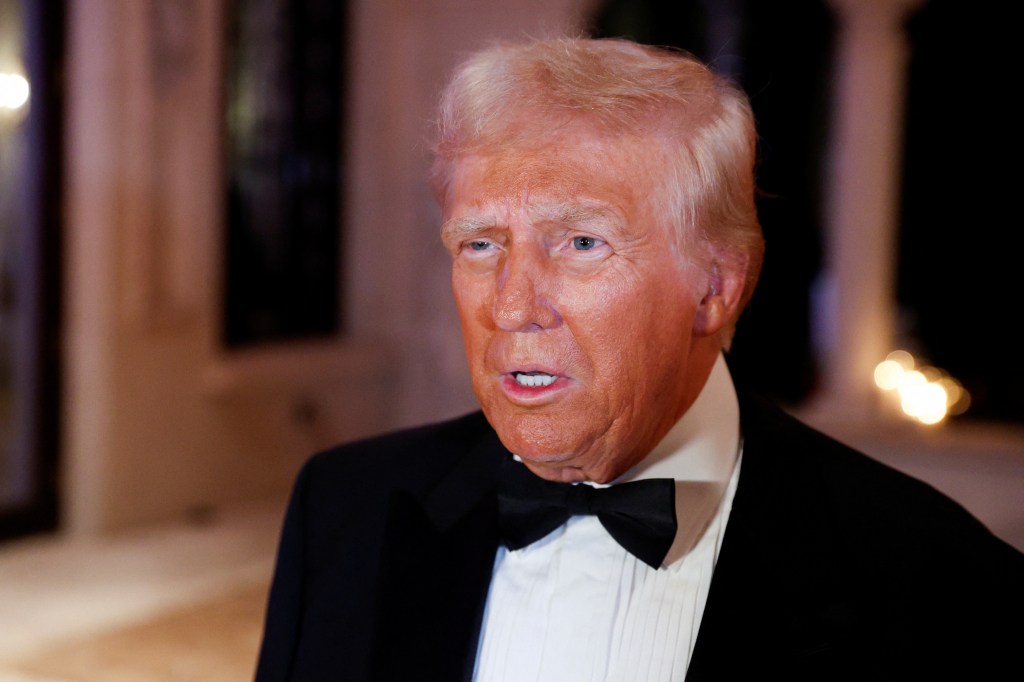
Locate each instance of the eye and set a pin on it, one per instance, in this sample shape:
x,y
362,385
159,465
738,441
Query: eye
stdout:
x,y
584,243
479,250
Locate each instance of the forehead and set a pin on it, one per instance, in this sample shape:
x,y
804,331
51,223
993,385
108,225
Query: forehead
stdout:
x,y
572,168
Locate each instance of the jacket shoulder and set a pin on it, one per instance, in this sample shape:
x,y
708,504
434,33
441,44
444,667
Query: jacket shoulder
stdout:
x,y
412,455
858,488
855,561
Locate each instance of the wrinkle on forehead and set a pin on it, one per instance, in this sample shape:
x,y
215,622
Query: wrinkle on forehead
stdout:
x,y
522,175
570,211
552,181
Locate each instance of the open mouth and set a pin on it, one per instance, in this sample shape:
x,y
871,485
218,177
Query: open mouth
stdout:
x,y
533,379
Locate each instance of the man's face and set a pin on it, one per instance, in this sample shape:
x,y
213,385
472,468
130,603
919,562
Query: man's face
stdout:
x,y
577,307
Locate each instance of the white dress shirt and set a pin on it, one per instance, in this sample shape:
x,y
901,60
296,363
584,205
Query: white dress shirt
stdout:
x,y
575,606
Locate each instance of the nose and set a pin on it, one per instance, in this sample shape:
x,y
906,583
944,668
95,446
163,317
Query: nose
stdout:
x,y
522,303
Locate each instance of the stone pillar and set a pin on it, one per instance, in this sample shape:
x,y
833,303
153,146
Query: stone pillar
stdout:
x,y
856,306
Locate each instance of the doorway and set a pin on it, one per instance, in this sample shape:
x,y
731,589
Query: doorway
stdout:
x,y
31,39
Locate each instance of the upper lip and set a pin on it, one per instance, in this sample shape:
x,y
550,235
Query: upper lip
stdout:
x,y
507,356
526,368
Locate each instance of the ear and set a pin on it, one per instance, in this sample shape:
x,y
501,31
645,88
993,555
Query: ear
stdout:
x,y
725,278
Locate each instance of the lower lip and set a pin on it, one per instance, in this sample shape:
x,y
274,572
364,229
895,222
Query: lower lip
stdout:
x,y
532,394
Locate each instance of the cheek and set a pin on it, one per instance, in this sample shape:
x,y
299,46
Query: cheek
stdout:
x,y
612,309
472,301
632,325
467,291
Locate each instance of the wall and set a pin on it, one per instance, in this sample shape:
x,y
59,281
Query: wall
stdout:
x,y
159,422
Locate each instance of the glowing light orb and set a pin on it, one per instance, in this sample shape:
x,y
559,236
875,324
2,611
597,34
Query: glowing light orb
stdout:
x,y
887,374
14,91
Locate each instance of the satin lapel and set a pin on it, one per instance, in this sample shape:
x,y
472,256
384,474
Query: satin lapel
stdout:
x,y
777,592
437,561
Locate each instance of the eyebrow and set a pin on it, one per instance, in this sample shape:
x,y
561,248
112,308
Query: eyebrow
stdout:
x,y
566,212
460,228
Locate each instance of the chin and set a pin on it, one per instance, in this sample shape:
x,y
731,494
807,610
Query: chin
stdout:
x,y
533,449
544,439
536,437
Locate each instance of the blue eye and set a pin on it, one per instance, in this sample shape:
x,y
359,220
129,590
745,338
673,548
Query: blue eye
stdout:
x,y
583,243
479,245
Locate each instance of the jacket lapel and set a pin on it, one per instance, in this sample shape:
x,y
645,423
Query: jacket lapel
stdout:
x,y
437,560
777,593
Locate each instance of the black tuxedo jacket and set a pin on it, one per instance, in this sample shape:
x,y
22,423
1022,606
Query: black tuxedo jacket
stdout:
x,y
833,566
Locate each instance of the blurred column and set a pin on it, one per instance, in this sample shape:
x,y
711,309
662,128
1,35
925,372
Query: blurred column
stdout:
x,y
856,302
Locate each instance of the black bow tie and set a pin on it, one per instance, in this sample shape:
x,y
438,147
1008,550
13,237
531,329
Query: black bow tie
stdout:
x,y
639,515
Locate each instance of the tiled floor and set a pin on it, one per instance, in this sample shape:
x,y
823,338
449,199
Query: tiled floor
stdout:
x,y
213,641
177,603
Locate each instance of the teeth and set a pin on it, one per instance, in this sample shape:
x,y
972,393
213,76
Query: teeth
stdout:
x,y
534,379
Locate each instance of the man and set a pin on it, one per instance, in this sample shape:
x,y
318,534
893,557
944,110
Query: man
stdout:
x,y
598,204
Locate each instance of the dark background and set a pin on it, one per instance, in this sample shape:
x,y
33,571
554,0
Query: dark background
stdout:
x,y
957,288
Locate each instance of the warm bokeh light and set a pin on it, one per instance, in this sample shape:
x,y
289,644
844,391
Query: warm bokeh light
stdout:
x,y
902,358
887,374
957,399
927,394
14,91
